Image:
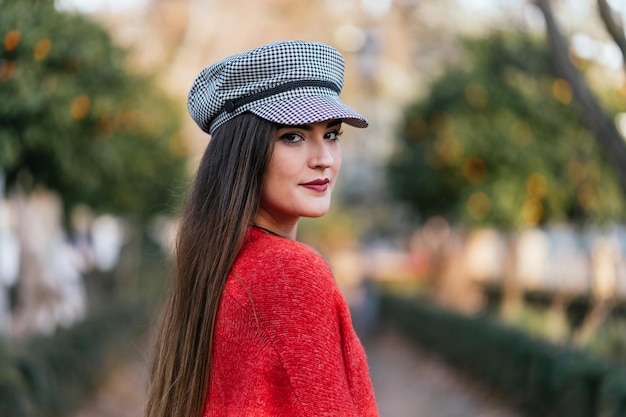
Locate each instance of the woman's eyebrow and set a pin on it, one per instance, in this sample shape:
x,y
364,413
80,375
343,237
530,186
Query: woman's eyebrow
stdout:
x,y
302,127
308,127
334,123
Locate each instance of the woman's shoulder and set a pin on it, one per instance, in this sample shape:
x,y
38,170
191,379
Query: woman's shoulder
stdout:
x,y
265,255
282,279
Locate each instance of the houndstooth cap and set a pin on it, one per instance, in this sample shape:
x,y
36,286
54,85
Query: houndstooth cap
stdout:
x,y
285,82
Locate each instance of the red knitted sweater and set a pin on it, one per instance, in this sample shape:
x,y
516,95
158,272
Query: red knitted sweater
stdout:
x,y
284,344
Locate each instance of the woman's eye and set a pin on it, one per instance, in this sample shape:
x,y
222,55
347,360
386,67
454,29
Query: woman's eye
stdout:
x,y
291,138
334,135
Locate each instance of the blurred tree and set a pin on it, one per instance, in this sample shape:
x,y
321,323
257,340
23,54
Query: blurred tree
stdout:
x,y
501,143
74,120
596,116
593,114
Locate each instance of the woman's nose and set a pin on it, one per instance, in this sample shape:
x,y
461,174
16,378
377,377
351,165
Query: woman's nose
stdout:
x,y
321,155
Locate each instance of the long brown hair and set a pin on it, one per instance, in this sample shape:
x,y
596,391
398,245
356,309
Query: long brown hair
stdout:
x,y
223,201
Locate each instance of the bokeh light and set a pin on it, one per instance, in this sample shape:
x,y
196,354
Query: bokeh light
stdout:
x,y
79,107
562,91
479,206
12,40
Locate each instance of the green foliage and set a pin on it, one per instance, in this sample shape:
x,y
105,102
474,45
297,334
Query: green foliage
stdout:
x,y
52,375
501,142
542,379
74,120
13,397
610,340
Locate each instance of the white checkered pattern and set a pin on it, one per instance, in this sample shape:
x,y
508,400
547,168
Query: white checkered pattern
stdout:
x,y
264,68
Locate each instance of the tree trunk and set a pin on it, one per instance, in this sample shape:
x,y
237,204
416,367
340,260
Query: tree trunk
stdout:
x,y
600,311
557,325
615,29
38,220
594,116
512,293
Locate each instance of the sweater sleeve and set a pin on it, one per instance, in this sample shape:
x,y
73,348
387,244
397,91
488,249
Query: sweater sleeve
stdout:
x,y
298,310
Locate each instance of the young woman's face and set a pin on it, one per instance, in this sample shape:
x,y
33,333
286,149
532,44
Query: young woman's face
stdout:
x,y
301,174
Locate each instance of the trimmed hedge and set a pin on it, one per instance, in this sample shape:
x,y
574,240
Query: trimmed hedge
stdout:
x,y
51,376
541,379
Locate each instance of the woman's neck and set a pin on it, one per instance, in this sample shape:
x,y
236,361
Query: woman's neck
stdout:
x,y
287,230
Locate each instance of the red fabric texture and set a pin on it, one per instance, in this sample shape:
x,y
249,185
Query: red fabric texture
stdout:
x,y
284,344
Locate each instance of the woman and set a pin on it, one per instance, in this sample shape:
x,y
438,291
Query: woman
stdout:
x,y
255,324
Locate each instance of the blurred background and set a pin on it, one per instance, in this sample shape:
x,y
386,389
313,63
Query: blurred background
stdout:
x,y
478,222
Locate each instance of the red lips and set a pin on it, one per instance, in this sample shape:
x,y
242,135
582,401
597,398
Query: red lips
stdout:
x,y
320,184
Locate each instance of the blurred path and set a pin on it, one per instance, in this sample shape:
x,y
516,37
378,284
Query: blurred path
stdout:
x,y
408,383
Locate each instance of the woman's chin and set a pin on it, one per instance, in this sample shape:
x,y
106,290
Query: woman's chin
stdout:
x,y
314,214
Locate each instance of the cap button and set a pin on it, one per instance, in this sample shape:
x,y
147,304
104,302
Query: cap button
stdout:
x,y
229,106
